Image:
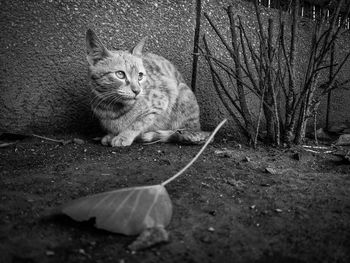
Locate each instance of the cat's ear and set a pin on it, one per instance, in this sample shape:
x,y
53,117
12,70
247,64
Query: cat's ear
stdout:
x,y
137,50
96,51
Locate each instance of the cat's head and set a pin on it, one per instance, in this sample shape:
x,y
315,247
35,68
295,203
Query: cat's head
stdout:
x,y
118,75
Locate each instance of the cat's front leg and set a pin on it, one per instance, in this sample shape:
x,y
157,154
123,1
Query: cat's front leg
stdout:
x,y
127,137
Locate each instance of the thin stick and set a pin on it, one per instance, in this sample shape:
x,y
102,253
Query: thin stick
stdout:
x,y
316,147
315,127
255,142
47,139
197,155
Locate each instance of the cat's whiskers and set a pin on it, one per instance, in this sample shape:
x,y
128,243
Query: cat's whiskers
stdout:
x,y
104,103
94,99
98,100
112,98
111,103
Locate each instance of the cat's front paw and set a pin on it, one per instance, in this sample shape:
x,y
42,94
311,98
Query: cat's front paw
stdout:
x,y
121,141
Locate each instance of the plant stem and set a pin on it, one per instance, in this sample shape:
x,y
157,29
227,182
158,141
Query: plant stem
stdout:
x,y
195,45
197,155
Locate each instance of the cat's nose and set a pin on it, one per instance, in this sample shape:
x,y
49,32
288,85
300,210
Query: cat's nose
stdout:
x,y
136,90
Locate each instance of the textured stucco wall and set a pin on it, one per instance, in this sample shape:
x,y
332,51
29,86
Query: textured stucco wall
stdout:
x,y
43,70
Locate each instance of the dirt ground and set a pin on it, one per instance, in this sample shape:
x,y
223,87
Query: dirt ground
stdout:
x,y
226,208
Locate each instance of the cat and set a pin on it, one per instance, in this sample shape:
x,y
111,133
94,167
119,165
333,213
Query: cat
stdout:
x,y
140,97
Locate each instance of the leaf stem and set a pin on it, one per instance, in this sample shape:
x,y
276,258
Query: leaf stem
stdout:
x,y
197,155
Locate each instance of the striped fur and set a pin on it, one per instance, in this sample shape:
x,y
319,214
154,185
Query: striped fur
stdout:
x,y
140,97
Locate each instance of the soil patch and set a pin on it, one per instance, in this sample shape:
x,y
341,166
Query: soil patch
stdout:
x,y
227,207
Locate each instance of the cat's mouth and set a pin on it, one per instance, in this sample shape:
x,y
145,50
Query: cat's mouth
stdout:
x,y
130,97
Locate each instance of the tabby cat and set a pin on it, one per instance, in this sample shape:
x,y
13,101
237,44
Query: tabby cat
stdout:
x,y
140,97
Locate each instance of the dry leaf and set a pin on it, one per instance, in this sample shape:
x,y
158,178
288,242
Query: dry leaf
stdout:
x,y
126,211
131,211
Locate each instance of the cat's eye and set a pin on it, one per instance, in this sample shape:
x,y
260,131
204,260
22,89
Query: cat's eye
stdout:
x,y
140,76
120,74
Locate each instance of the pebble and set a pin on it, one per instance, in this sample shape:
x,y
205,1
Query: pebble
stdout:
x,y
211,229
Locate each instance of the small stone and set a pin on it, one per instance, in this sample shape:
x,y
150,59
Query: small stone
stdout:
x,y
343,140
211,229
278,210
50,253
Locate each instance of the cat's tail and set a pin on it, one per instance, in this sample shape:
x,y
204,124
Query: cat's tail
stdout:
x,y
178,136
